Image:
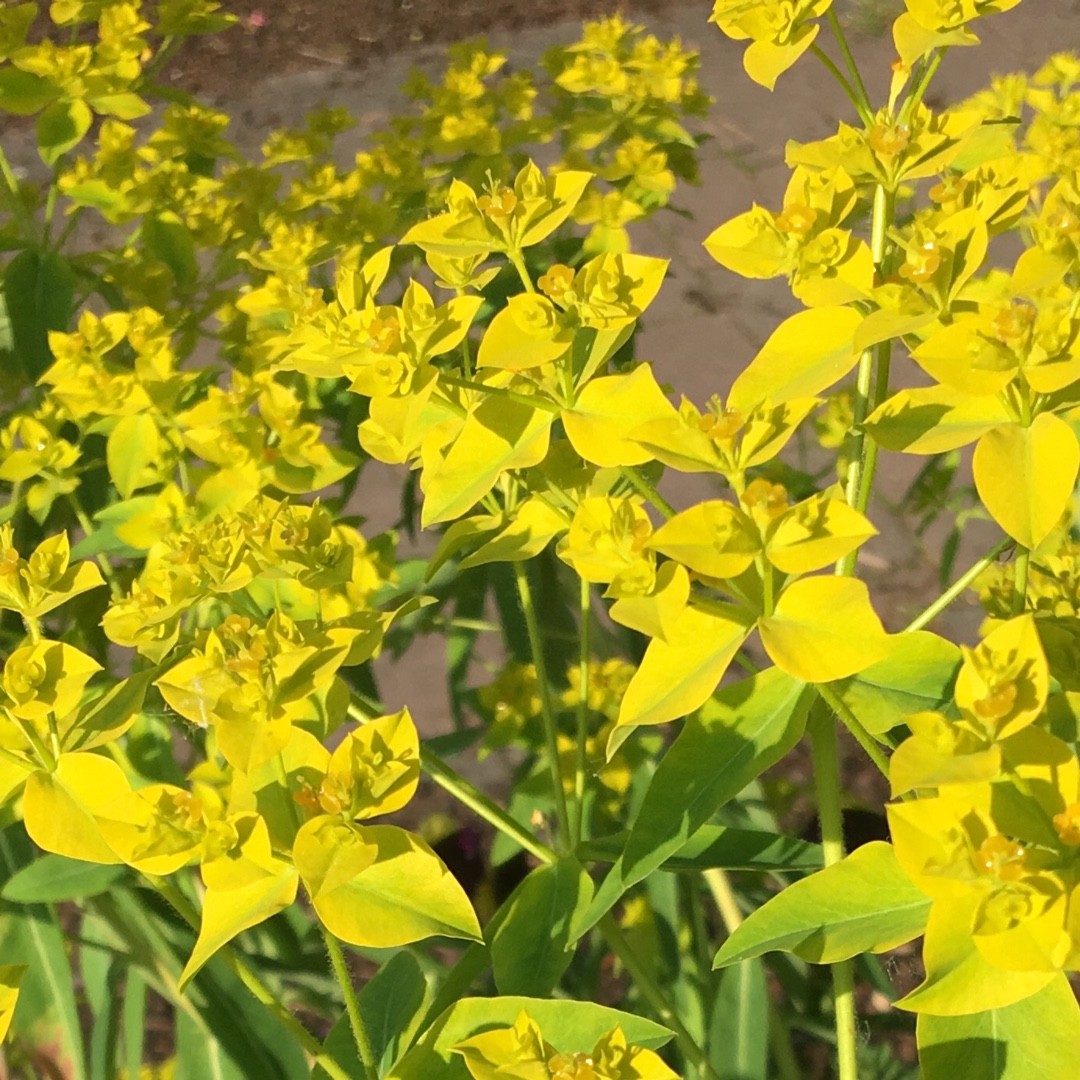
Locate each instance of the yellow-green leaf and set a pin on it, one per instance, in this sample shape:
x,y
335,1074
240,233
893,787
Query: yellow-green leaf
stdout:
x,y
713,538
805,355
608,409
934,419
816,532
959,980
677,676
401,892
1025,476
1038,1036
824,628
498,435
864,903
60,808
11,976
134,446
533,525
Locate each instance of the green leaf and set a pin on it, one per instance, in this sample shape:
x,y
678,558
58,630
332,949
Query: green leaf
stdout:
x,y
1025,475
134,446
805,355
865,903
169,240
677,675
32,936
39,291
50,879
1036,1037
741,731
23,93
721,847
739,1029
61,127
529,951
916,676
570,1026
392,1004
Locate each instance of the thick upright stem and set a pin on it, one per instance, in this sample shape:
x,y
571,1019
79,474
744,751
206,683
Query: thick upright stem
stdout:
x,y
1020,584
582,732
827,781
536,645
352,1004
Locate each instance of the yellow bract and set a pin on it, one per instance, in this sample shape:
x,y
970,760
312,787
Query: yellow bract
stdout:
x,y
522,1052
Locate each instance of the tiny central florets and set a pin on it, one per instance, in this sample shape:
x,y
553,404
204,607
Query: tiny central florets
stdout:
x,y
499,205
1068,825
1000,857
796,218
557,282
571,1067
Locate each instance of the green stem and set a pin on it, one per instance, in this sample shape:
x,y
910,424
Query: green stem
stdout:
x,y
957,587
872,384
827,781
547,713
254,984
655,996
518,261
846,86
352,1004
582,734
87,527
456,785
648,491
849,60
919,92
18,207
854,725
466,352
1020,584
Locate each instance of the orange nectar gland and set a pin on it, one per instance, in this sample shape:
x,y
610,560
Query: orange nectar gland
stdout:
x,y
571,1067
556,282
923,262
384,335
797,219
765,499
1064,220
1001,857
1068,825
332,797
1012,325
889,139
723,427
9,562
499,205
998,702
950,190
641,532
189,807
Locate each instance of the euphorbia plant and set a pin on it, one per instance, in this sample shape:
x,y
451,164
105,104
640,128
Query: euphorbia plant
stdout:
x,y
212,704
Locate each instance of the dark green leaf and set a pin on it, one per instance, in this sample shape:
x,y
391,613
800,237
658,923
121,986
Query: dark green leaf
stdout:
x,y
50,879
739,1029
736,735
39,291
916,676
529,951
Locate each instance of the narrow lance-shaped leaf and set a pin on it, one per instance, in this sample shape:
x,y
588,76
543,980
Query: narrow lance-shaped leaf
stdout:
x,y
865,903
